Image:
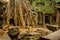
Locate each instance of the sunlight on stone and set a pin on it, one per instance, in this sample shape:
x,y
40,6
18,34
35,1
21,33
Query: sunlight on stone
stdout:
x,y
6,0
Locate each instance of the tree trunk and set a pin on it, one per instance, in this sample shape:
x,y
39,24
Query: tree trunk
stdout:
x,y
29,12
14,12
51,22
44,19
8,14
21,16
41,18
57,19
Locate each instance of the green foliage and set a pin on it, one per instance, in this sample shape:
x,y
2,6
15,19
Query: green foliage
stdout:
x,y
47,9
1,0
31,1
57,1
43,6
58,6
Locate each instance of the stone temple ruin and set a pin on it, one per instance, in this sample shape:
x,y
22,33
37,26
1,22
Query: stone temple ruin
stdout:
x,y
22,26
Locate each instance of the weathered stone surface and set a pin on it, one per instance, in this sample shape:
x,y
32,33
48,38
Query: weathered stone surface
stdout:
x,y
52,27
52,36
13,30
4,37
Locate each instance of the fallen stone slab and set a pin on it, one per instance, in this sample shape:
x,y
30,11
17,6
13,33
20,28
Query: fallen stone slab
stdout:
x,y
52,36
52,27
4,37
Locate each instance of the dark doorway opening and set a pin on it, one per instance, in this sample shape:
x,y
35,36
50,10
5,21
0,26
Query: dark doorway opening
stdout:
x,y
47,19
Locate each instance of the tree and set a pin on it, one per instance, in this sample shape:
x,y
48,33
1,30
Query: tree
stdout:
x,y
2,10
58,12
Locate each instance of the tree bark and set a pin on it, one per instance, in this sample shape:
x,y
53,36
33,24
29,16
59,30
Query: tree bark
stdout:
x,y
15,14
21,16
8,14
